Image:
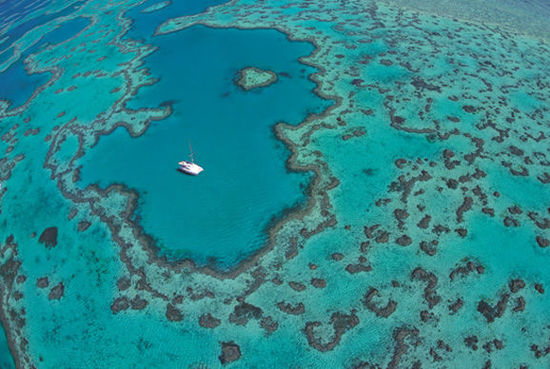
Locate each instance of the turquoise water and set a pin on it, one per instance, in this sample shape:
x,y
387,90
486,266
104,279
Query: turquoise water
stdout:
x,y
6,360
425,242
231,134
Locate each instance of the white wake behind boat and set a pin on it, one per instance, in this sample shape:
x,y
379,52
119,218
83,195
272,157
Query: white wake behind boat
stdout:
x,y
190,167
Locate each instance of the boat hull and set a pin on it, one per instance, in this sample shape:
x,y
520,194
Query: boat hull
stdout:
x,y
190,168
191,173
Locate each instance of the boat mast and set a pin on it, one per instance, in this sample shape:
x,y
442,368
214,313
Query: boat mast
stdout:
x,y
191,149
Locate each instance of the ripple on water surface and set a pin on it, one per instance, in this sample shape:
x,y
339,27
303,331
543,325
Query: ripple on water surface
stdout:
x,y
17,85
219,217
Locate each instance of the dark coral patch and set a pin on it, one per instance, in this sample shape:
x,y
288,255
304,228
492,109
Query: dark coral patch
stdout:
x,y
382,312
318,283
230,352
492,312
57,292
138,303
42,282
208,321
297,309
83,225
341,323
173,314
120,304
49,237
244,312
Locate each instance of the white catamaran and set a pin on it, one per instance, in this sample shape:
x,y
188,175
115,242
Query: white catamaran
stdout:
x,y
190,167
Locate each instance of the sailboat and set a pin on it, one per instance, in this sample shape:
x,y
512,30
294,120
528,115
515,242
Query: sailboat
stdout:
x,y
189,167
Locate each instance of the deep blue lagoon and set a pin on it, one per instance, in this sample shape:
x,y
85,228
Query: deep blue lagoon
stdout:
x,y
220,217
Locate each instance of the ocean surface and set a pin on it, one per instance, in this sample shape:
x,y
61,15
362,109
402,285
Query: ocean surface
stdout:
x,y
382,202
230,130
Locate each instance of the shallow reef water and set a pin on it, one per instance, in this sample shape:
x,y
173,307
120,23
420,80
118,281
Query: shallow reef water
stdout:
x,y
384,202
